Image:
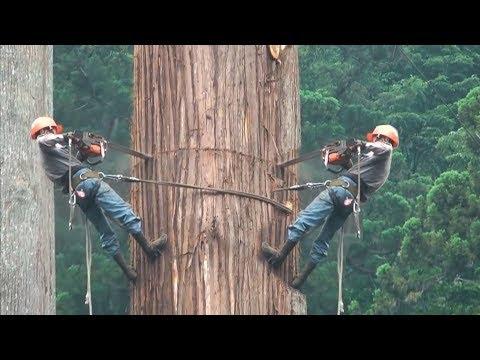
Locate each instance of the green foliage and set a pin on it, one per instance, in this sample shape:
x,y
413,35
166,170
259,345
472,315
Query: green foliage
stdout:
x,y
469,107
421,246
92,91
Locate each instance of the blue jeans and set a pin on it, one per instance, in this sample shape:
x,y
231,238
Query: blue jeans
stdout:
x,y
322,210
100,201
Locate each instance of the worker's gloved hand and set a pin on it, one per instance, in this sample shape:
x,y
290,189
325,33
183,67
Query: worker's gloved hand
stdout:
x,y
76,136
352,144
67,136
334,158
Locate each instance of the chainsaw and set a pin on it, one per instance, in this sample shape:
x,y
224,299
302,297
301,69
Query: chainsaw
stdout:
x,y
93,147
338,153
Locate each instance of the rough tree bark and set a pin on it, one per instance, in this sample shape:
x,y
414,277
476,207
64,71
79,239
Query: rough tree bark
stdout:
x,y
27,258
214,116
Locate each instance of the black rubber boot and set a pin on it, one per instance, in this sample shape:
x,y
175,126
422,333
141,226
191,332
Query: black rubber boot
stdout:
x,y
151,249
300,278
129,272
274,257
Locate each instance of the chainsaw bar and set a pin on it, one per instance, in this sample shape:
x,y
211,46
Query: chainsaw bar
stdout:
x,y
127,150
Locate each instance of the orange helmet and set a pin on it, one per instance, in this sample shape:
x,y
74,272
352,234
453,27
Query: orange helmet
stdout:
x,y
42,123
386,130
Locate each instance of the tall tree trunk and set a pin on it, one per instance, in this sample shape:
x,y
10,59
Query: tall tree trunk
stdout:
x,y
214,116
27,246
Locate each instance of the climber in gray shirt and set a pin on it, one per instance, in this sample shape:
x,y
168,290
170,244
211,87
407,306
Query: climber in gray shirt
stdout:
x,y
334,204
56,157
374,164
95,197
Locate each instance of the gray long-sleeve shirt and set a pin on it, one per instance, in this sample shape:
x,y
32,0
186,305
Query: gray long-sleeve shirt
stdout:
x,y
375,162
56,158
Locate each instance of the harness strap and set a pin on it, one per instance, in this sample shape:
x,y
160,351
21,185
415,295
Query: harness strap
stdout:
x,y
339,182
87,175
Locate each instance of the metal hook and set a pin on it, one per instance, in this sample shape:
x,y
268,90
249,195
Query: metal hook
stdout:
x,y
356,207
73,199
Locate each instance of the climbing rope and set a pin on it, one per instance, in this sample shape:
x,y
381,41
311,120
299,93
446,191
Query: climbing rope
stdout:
x,y
340,255
72,199
124,178
356,203
340,309
88,262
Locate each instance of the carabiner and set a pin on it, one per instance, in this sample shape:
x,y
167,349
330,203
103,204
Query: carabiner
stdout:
x,y
73,199
356,207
